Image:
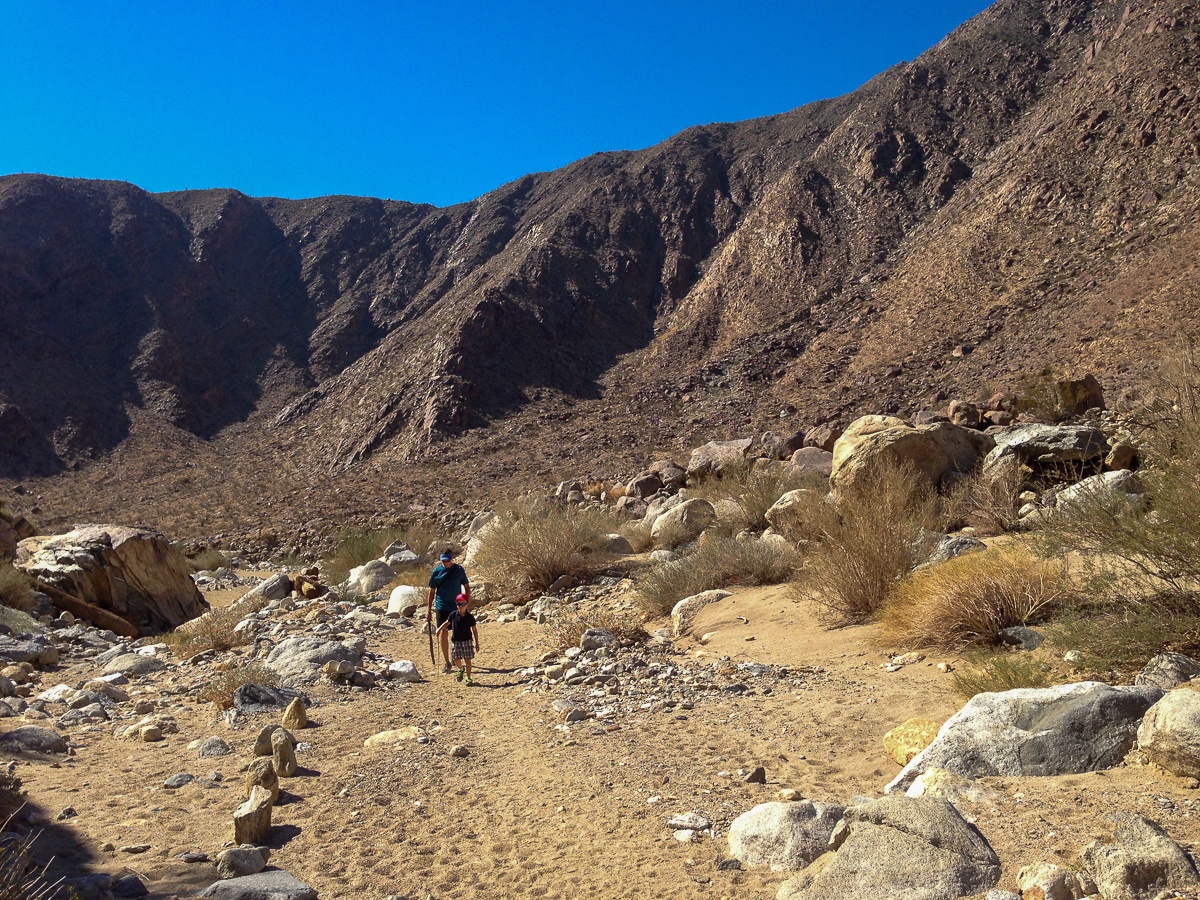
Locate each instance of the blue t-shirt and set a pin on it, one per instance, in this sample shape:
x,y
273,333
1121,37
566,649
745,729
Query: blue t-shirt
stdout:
x,y
448,583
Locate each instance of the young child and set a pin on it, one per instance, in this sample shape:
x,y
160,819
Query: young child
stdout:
x,y
464,638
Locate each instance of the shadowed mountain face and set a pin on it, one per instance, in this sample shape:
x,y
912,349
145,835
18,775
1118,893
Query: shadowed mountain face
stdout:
x,y
1026,189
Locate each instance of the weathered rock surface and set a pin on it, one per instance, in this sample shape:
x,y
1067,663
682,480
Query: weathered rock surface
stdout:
x,y
1141,861
716,457
298,660
404,600
1046,881
684,522
783,836
252,819
1037,731
899,847
1170,733
237,862
133,573
371,576
905,741
1168,670
932,451
1047,446
273,885
683,614
254,698
33,739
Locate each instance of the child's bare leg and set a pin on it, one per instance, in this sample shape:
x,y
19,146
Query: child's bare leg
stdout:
x,y
467,662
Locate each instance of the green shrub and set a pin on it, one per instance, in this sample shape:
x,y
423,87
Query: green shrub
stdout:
x,y
208,560
361,545
716,562
1117,638
866,542
1003,672
967,600
754,488
534,542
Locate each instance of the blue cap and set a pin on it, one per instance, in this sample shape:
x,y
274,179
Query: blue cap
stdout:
x,y
446,555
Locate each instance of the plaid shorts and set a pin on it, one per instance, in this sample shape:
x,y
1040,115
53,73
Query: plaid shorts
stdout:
x,y
462,649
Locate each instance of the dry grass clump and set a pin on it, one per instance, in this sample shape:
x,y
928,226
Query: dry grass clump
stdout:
x,y
220,689
866,542
1117,638
968,600
20,877
566,627
535,542
361,545
717,562
214,630
1003,672
16,590
208,560
638,535
754,489
987,502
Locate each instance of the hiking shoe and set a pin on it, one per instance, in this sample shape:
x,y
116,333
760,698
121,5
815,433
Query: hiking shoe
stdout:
x,y
471,682
447,669
459,676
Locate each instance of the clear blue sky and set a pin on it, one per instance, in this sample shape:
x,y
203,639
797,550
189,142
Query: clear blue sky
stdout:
x,y
430,101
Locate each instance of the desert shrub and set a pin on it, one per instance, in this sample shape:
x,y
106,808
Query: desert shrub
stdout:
x,y
866,542
1002,672
534,542
616,492
1038,396
566,627
20,877
988,502
214,630
716,562
638,536
673,533
753,488
1117,638
361,545
208,560
219,689
16,590
1138,549
967,600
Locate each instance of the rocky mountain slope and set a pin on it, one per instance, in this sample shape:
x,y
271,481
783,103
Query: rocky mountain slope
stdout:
x,y
1022,195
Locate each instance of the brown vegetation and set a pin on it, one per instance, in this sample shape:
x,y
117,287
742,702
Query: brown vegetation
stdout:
x,y
716,562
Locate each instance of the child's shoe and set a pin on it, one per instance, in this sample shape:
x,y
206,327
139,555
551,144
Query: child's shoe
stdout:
x,y
470,681
459,676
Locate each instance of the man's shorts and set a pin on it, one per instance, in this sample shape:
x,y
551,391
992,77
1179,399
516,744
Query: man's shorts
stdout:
x,y
442,616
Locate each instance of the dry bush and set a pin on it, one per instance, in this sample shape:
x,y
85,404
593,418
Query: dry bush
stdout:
x,y
566,626
359,546
1117,639
671,534
1038,396
866,542
638,536
213,630
16,590
20,877
987,502
1135,549
209,559
616,492
222,685
968,600
1003,672
716,562
754,489
535,542
595,489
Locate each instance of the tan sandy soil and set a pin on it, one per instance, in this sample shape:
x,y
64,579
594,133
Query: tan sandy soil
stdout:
x,y
536,810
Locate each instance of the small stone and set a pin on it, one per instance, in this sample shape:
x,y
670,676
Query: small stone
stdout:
x,y
459,751
1073,657
150,734
236,862
213,747
789,795
128,887
68,812
261,773
193,856
295,717
283,754
135,848
178,780
252,819
757,776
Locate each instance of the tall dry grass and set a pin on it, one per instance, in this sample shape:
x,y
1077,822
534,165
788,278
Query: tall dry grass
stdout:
x,y
16,590
866,542
968,600
754,489
535,542
716,562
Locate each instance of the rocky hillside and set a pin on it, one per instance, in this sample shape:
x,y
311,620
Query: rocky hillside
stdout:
x,y
1022,195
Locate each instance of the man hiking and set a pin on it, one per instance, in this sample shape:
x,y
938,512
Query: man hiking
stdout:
x,y
446,583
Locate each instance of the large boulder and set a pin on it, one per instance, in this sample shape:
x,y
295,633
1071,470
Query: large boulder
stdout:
x,y
1103,488
370,577
684,522
903,848
1048,447
791,514
132,573
274,884
1060,730
784,836
1141,862
405,600
932,451
1168,670
716,457
298,660
810,461
33,739
1170,733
